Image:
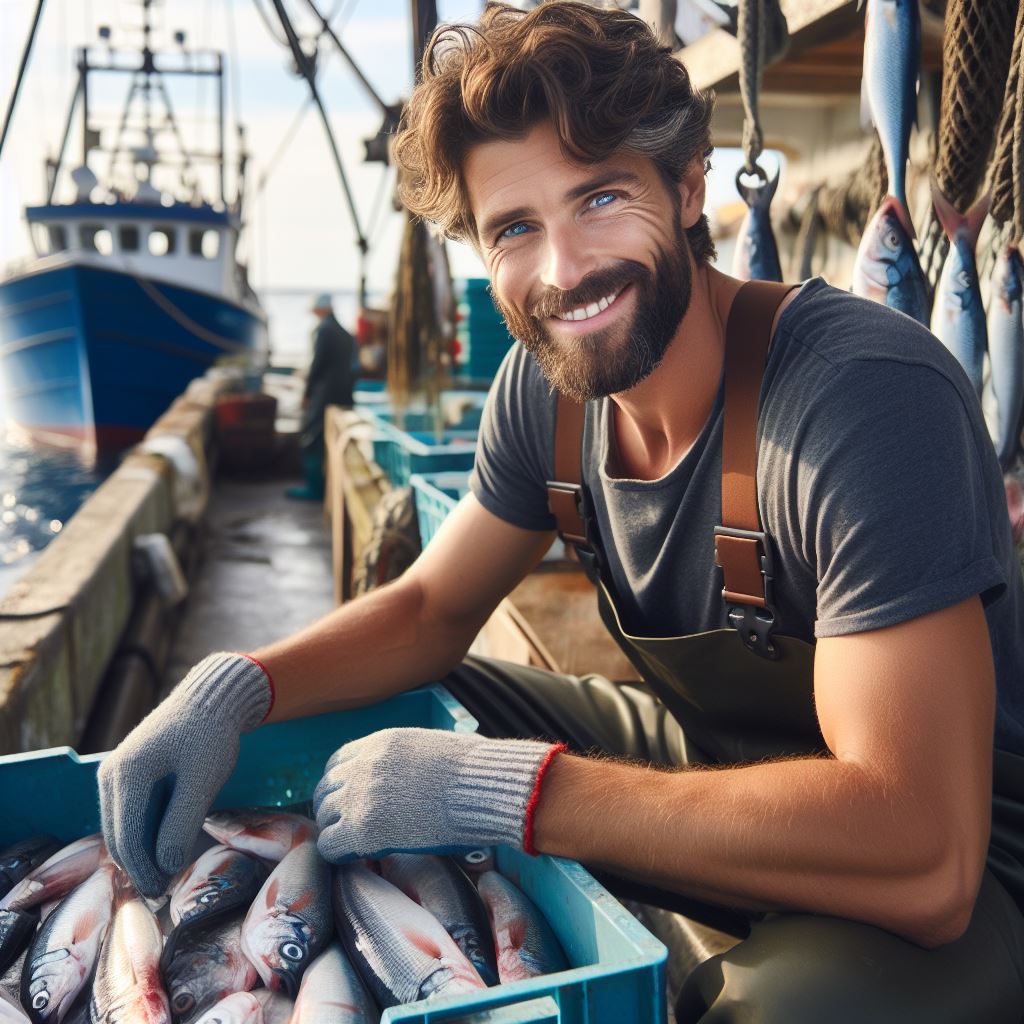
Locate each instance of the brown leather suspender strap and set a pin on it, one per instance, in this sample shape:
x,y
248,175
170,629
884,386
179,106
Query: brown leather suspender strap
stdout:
x,y
741,546
565,492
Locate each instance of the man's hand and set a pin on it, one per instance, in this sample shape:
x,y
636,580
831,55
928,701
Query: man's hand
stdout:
x,y
405,790
157,786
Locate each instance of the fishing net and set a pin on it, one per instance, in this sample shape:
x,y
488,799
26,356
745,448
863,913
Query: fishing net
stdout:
x,y
846,208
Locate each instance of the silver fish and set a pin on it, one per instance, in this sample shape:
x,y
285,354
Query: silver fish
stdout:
x,y
277,1007
756,257
219,882
526,945
1006,351
127,985
958,319
200,966
289,922
887,268
400,950
266,834
57,875
64,951
11,1014
18,859
331,992
439,885
892,57
10,980
16,930
237,1008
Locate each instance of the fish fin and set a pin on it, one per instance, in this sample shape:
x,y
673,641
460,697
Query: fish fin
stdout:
x,y
901,213
302,902
760,194
272,891
949,217
975,217
424,943
517,932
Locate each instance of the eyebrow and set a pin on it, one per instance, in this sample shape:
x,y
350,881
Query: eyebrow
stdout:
x,y
611,176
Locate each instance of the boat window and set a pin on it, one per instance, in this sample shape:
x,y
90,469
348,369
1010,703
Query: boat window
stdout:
x,y
96,238
58,237
129,238
205,243
40,238
161,241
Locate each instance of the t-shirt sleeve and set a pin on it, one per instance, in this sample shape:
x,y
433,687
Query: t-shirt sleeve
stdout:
x,y
514,449
894,509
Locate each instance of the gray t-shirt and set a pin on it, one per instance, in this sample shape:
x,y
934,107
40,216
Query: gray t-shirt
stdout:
x,y
876,481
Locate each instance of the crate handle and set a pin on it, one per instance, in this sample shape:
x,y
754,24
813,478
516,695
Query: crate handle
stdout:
x,y
533,1011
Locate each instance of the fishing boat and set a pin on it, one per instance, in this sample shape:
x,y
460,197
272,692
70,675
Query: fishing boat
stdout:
x,y
135,287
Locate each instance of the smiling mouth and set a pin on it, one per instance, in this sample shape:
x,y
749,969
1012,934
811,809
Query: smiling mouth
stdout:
x,y
592,310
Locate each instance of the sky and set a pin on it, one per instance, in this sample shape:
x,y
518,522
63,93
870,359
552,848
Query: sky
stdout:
x,y
298,231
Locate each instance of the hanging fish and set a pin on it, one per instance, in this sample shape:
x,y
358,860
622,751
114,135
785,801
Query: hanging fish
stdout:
x,y
887,268
958,318
399,949
127,985
757,256
204,965
439,885
331,992
1006,351
266,834
219,882
64,951
526,945
892,57
290,921
57,875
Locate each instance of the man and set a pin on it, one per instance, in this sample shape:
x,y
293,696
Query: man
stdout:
x,y
851,676
329,381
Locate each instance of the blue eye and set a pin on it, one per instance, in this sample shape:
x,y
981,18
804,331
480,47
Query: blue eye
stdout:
x,y
603,199
515,230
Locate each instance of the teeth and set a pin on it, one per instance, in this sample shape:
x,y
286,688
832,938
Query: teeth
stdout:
x,y
586,312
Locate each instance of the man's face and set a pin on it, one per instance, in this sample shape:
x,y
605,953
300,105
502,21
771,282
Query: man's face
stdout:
x,y
588,263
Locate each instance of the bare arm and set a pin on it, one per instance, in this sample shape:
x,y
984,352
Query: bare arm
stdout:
x,y
410,631
892,829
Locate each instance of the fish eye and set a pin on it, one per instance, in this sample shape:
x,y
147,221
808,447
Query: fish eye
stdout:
x,y
41,1000
892,240
963,279
291,951
208,897
183,1002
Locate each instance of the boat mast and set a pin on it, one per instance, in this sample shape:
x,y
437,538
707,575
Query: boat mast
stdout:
x,y
21,73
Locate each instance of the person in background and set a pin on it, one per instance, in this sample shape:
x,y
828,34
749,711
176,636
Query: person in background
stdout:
x,y
330,381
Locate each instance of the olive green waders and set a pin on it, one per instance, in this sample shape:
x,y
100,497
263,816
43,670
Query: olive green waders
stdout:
x,y
738,695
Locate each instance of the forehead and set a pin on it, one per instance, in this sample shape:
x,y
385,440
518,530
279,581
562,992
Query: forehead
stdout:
x,y
503,173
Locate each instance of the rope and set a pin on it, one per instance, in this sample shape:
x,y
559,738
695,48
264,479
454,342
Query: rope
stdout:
x,y
763,37
846,208
184,320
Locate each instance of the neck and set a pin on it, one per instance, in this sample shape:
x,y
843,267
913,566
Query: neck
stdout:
x,y
657,421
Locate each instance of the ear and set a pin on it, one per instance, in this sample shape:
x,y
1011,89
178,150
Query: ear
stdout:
x,y
692,192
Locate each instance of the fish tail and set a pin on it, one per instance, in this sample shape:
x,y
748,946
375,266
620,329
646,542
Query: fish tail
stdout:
x,y
759,195
954,222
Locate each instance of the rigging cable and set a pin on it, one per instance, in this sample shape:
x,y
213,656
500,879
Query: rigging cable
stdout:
x,y
21,73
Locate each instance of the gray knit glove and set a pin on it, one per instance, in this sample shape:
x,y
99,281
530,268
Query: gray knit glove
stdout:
x,y
406,790
157,786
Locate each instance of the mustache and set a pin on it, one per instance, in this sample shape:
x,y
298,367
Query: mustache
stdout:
x,y
595,286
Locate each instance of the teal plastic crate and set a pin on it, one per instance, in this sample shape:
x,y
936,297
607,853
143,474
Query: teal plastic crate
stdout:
x,y
55,790
618,968
401,453
436,495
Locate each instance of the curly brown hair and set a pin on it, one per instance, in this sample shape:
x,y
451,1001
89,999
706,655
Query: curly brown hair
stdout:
x,y
600,76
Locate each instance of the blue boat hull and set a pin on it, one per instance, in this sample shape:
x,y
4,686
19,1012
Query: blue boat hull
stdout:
x,y
95,356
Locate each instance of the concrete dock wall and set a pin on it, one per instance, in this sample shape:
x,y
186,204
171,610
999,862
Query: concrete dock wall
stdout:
x,y
61,623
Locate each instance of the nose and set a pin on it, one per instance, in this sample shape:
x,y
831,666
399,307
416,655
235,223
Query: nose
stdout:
x,y
566,260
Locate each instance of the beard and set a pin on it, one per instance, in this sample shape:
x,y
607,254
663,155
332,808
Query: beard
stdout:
x,y
616,358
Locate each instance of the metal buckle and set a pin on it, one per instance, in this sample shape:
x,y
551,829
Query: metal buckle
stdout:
x,y
754,624
575,491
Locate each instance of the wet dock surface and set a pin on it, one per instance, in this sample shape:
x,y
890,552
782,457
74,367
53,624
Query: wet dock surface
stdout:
x,y
265,572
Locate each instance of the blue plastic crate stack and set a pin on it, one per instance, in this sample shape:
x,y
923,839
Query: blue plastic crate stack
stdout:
x,y
481,333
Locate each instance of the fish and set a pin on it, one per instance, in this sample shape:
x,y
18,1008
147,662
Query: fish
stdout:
x,y
476,862
127,986
439,885
887,268
525,943
289,922
332,993
266,834
64,951
11,1014
219,882
892,59
958,318
399,949
16,930
1006,351
201,966
277,1007
18,859
237,1008
10,980
756,257
58,874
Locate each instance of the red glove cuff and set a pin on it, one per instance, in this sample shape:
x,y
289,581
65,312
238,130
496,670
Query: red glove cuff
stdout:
x,y
531,806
